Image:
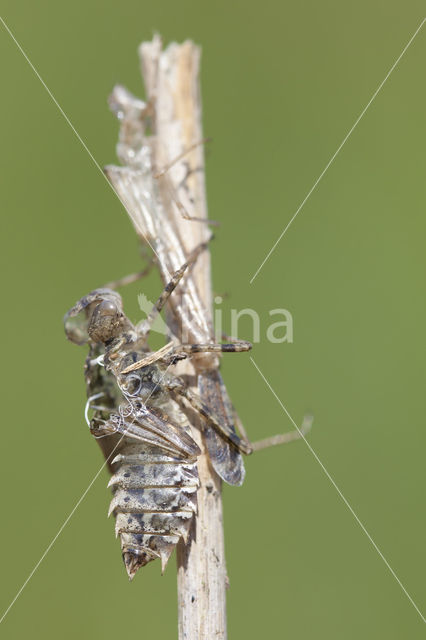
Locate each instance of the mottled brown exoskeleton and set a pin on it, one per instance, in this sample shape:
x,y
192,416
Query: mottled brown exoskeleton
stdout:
x,y
140,422
139,406
149,197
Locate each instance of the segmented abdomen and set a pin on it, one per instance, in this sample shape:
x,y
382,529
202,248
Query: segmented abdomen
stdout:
x,y
155,499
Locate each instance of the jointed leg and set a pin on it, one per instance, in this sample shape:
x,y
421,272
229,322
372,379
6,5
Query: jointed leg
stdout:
x,y
168,166
230,347
170,354
132,277
282,438
178,388
167,183
144,327
182,210
162,354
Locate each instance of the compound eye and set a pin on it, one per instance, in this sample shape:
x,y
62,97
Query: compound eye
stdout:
x,y
107,308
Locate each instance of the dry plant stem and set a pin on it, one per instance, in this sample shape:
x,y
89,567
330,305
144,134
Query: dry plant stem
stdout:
x,y
172,82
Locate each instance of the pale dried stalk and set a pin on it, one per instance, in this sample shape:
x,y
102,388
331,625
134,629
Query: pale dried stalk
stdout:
x,y
172,82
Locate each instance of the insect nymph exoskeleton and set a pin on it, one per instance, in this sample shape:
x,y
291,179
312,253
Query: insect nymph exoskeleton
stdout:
x,y
142,427
143,433
154,502
154,481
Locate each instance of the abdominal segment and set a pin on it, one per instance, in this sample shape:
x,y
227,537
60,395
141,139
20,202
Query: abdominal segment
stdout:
x,y
154,502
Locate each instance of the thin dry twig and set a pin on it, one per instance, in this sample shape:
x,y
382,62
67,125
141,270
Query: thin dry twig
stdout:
x,y
172,82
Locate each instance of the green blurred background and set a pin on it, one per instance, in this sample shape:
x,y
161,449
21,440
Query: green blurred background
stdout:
x,y
282,84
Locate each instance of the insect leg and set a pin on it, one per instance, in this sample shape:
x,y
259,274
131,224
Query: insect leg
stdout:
x,y
182,210
272,441
132,277
168,166
170,354
123,427
144,327
230,347
171,189
182,351
178,388
238,423
282,438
